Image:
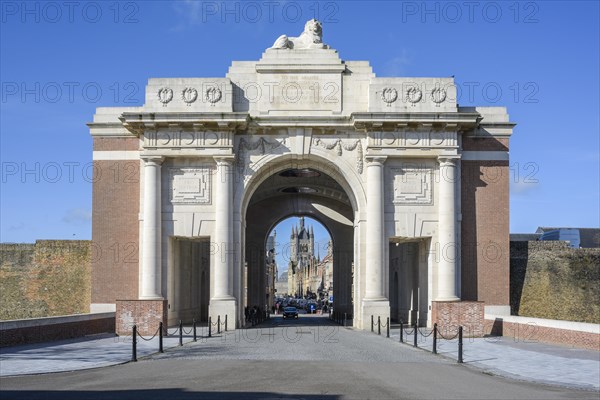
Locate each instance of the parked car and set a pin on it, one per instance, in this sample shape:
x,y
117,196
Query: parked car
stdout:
x,y
290,312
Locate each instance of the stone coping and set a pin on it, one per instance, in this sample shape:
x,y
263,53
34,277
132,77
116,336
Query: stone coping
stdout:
x,y
548,323
63,319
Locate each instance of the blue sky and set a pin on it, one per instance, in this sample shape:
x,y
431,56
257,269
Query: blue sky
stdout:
x,y
284,230
59,62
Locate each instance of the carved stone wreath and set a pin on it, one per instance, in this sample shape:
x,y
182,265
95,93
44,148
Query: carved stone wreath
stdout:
x,y
438,95
261,144
414,95
339,146
189,95
165,95
389,95
213,95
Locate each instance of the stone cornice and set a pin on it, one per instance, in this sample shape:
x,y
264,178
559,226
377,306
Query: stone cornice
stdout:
x,y
137,123
109,129
452,121
325,121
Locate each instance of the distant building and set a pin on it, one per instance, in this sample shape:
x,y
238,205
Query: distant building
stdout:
x,y
281,286
577,237
271,273
307,274
587,237
524,237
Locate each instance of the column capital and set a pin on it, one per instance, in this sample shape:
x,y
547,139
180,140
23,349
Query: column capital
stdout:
x,y
153,160
373,160
227,160
451,160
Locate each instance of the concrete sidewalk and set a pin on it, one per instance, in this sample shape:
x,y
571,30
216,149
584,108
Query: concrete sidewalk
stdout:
x,y
535,362
85,353
518,359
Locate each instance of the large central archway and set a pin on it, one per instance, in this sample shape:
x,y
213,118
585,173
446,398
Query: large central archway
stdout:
x,y
283,188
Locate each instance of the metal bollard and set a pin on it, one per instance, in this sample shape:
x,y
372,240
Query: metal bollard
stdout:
x,y
134,344
225,322
388,327
401,331
460,345
345,318
435,338
195,336
209,327
379,325
180,332
372,323
218,324
415,339
160,337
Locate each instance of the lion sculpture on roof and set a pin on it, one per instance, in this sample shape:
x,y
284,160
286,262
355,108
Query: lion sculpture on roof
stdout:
x,y
311,38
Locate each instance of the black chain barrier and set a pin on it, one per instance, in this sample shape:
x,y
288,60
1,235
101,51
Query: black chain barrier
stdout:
x,y
134,337
435,338
134,344
408,333
150,338
415,331
180,333
160,337
460,344
447,338
424,335
161,333
401,331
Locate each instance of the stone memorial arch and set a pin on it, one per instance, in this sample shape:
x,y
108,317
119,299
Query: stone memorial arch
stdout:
x,y
412,188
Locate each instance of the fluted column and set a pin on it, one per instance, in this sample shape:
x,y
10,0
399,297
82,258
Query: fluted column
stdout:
x,y
374,289
151,235
447,266
223,228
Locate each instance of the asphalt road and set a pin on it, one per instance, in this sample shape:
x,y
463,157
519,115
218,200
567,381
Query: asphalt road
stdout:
x,y
308,358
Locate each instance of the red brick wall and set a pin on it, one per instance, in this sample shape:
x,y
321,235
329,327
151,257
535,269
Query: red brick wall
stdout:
x,y
53,332
533,333
485,259
470,143
115,224
145,314
116,143
449,315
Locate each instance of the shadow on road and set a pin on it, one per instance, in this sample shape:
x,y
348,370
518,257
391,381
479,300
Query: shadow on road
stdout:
x,y
151,394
